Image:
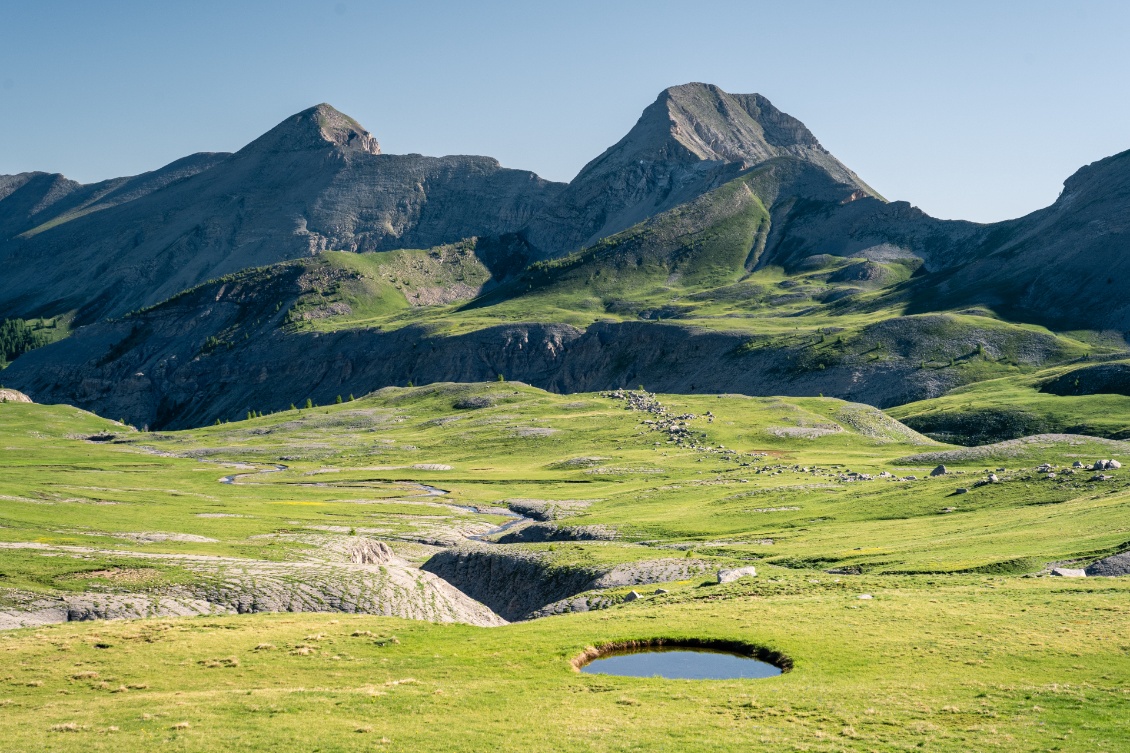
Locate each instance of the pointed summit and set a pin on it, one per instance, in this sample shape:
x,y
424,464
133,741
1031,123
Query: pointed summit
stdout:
x,y
693,138
701,123
316,128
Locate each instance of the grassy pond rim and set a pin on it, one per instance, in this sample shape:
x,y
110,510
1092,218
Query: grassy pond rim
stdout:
x,y
737,649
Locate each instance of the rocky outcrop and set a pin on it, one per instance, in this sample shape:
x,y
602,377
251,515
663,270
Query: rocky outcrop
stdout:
x,y
547,510
13,396
517,583
234,585
541,532
1114,566
731,575
370,552
23,609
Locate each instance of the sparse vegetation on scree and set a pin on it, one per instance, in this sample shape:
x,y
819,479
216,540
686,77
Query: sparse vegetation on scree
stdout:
x,y
965,642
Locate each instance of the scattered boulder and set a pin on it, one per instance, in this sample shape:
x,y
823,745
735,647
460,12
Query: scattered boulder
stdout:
x,y
994,478
1077,464
729,576
961,490
1069,572
1113,465
631,596
1101,477
1111,567
939,471
661,591
866,596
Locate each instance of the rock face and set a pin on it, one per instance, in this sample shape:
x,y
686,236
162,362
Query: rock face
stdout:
x,y
317,181
517,584
1017,267
152,369
691,139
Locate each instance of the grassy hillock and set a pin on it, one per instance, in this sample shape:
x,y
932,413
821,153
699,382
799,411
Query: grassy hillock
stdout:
x,y
1011,407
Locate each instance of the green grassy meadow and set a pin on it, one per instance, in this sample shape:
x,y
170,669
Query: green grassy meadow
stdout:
x,y
964,645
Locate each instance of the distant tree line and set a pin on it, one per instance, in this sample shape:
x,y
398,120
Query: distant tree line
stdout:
x,y
18,337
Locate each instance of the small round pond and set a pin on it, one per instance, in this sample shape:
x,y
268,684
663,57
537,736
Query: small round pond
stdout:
x,y
680,663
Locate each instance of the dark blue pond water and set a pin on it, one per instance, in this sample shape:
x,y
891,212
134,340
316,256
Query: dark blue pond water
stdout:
x,y
681,664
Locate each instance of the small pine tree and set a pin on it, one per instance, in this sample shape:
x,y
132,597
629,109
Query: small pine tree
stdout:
x,y
338,401
250,415
410,383
217,422
292,407
309,403
351,398
501,378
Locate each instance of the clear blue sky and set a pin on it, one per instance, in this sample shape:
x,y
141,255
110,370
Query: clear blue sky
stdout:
x,y
975,110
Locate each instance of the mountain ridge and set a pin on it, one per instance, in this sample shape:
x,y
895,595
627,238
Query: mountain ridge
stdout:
x,y
717,214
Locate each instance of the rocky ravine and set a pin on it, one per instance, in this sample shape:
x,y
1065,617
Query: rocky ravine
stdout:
x,y
517,584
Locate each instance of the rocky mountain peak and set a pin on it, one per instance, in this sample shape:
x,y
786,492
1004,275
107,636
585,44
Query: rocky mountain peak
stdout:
x,y
715,125
316,128
691,139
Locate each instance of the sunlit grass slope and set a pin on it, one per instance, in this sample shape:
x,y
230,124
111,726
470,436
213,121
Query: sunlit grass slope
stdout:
x,y
957,650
